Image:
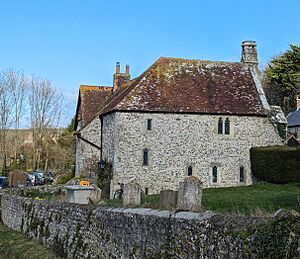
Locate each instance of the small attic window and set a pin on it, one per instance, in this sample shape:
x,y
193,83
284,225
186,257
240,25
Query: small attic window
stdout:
x,y
149,124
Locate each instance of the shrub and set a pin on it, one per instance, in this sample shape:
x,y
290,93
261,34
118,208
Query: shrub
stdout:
x,y
276,164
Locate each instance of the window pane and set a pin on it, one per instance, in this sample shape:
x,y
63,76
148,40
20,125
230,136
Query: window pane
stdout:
x,y
145,157
149,124
214,174
227,126
220,126
190,171
242,174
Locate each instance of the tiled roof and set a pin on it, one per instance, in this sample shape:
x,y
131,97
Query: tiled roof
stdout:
x,y
192,86
294,118
90,100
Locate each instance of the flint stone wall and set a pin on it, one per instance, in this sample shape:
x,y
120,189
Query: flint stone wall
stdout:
x,y
178,141
86,153
85,231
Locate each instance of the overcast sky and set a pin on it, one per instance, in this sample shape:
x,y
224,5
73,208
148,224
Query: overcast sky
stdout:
x,y
79,41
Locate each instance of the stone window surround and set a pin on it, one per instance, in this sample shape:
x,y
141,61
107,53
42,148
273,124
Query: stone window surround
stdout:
x,y
231,126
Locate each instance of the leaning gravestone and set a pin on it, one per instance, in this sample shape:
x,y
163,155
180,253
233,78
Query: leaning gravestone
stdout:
x,y
167,199
132,194
190,194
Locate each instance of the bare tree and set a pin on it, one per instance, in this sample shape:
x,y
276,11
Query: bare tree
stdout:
x,y
5,118
45,104
17,85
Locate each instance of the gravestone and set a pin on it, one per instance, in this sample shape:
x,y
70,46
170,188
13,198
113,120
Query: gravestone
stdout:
x,y
167,199
132,194
95,195
190,194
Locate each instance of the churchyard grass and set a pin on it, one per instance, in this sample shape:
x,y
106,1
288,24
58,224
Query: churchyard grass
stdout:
x,y
261,199
15,245
256,200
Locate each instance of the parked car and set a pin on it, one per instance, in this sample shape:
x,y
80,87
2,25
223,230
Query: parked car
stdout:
x,y
49,178
3,182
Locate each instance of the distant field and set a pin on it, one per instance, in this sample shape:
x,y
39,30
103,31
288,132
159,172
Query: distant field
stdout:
x,y
15,245
257,200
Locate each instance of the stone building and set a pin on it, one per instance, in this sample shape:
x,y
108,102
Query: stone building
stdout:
x,y
293,120
180,117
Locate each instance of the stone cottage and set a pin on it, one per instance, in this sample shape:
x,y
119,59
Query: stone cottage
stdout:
x,y
293,120
180,117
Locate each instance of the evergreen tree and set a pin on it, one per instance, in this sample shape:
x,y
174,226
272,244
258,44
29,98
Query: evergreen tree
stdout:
x,y
283,79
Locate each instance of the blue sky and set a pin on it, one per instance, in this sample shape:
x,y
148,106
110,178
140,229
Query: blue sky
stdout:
x,y
79,41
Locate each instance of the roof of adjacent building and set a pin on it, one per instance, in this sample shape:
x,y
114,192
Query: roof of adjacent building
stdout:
x,y
190,86
293,118
90,100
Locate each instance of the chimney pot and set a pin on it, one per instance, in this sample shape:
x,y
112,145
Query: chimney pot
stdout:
x,y
298,102
118,67
127,69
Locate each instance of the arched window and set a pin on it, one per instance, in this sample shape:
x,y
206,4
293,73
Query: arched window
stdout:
x,y
227,126
215,174
242,174
145,157
190,171
220,126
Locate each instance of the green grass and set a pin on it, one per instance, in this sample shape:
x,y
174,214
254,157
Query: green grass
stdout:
x,y
256,200
252,200
15,245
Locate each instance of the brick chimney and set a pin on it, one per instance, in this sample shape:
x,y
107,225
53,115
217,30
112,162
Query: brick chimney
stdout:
x,y
120,78
298,101
249,53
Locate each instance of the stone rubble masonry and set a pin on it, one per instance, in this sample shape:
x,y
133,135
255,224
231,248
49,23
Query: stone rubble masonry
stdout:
x,y
87,231
132,194
190,194
86,153
178,141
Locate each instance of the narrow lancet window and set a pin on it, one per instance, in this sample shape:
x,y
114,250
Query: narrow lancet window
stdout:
x,y
227,126
145,157
242,174
214,174
149,124
220,126
190,171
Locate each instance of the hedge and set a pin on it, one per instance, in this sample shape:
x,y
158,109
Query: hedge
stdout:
x,y
277,164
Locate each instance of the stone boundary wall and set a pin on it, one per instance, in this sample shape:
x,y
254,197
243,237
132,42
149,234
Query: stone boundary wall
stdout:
x,y
86,231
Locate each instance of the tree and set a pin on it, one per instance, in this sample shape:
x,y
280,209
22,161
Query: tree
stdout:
x,y
45,104
283,79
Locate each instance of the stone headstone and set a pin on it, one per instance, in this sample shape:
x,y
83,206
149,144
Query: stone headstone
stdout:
x,y
132,194
95,195
167,199
190,194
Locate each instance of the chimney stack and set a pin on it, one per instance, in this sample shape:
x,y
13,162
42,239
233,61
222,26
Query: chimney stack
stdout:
x,y
249,53
298,101
120,78
117,67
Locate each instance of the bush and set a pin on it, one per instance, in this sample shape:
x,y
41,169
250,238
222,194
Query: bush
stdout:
x,y
276,164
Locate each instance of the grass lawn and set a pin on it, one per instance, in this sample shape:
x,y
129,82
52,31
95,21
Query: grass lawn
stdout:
x,y
256,200
252,200
15,245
